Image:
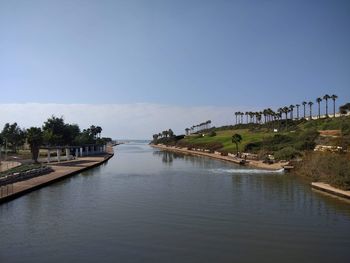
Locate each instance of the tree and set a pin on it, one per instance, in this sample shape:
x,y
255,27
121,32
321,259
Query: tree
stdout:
x,y
54,131
304,104
291,107
35,140
236,139
310,105
297,105
334,97
13,135
326,97
344,109
170,133
285,111
98,130
318,100
155,137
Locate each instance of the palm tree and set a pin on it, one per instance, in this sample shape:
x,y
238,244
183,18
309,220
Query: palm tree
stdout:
x,y
98,131
265,115
285,111
236,139
236,113
246,114
291,107
318,100
326,97
297,105
304,104
310,105
334,97
35,140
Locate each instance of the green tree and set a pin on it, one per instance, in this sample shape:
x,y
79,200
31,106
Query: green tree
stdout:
x,y
304,104
310,103
334,97
236,139
326,97
54,131
35,140
318,100
13,135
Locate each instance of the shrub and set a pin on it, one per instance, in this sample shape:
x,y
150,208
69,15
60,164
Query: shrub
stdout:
x,y
253,146
212,134
286,153
332,168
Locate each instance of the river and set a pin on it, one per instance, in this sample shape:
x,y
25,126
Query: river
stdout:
x,y
146,205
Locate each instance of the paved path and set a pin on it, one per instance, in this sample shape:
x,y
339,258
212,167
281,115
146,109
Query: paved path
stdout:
x,y
61,170
5,165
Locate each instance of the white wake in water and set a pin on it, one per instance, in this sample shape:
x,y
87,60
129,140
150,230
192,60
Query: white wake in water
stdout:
x,y
247,171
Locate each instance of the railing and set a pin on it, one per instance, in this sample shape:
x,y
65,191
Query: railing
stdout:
x,y
6,190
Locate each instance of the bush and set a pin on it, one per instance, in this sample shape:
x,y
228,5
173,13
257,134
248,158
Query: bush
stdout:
x,y
212,134
253,146
286,153
306,140
332,168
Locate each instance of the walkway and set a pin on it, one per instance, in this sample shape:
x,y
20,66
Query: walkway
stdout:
x,y
61,170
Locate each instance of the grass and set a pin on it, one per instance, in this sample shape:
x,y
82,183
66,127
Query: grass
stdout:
x,y
300,136
224,137
21,168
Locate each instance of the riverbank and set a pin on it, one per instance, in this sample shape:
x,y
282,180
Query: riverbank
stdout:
x,y
251,163
61,170
331,190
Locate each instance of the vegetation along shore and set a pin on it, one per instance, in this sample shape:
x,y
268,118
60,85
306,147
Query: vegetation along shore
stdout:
x,y
316,147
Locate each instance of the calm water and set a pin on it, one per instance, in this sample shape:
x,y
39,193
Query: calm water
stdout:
x,y
150,206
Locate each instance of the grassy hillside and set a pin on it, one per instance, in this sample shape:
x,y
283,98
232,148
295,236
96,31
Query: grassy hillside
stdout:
x,y
224,137
290,141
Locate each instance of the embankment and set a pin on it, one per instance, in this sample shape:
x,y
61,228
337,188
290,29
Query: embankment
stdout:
x,y
251,163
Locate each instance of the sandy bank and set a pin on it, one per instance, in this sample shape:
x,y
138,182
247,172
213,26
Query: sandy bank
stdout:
x,y
251,163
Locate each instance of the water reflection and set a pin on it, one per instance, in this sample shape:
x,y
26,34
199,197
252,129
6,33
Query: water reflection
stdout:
x,y
147,205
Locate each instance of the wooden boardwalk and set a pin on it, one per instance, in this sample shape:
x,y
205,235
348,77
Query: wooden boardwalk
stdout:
x,y
61,170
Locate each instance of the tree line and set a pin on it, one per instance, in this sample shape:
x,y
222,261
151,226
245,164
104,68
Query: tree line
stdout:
x,y
54,132
268,115
198,127
164,134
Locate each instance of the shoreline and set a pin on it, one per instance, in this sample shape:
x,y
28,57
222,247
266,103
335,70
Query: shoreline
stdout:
x,y
250,163
61,171
327,188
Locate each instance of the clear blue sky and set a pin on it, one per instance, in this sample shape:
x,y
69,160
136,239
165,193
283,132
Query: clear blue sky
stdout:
x,y
185,53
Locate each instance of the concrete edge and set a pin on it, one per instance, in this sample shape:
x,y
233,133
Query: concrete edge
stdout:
x,y
330,190
36,187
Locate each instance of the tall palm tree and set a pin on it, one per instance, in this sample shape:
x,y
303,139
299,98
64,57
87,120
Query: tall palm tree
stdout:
x,y
318,100
246,114
291,107
326,97
334,97
304,104
285,111
236,139
310,105
297,105
265,112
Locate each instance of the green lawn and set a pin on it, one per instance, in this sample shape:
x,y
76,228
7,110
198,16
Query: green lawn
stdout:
x,y
224,137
